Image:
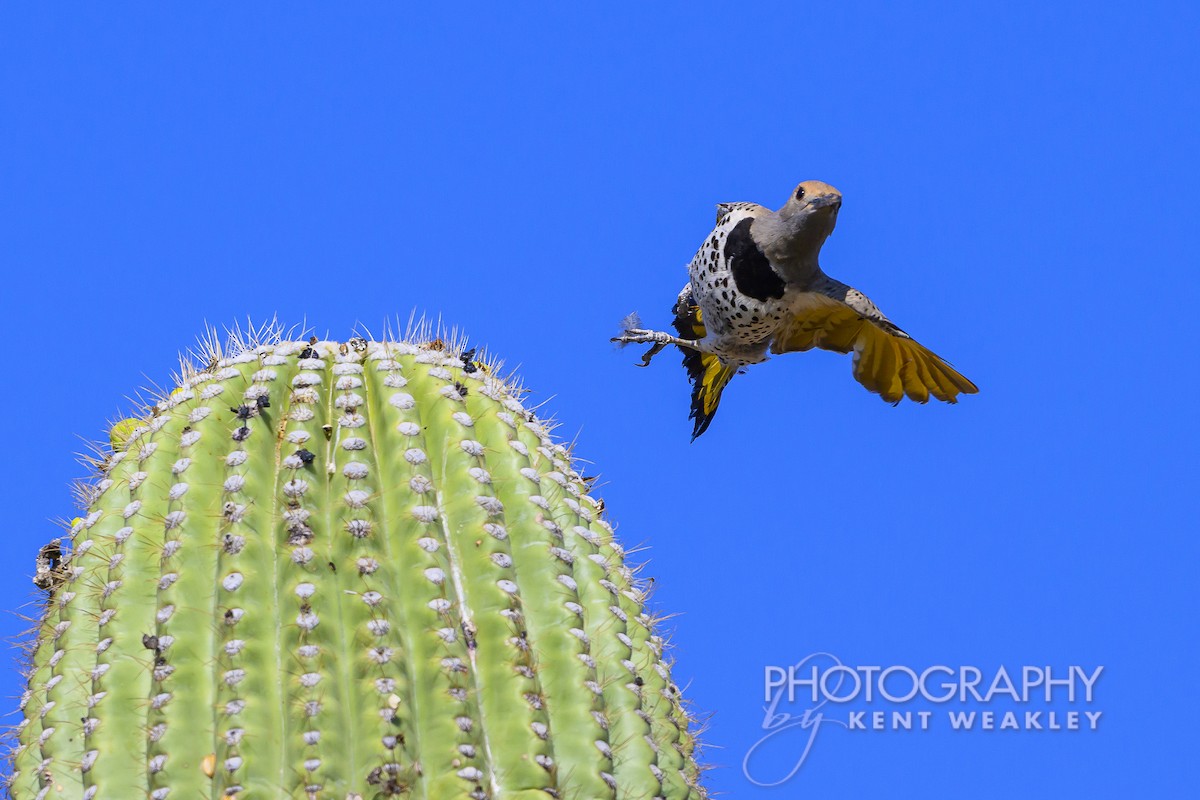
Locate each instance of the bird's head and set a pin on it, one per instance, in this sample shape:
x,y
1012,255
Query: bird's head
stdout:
x,y
794,234
813,202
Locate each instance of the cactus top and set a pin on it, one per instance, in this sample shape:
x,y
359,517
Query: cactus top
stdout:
x,y
346,571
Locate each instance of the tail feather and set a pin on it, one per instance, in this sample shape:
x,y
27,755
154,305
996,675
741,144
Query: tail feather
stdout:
x,y
707,375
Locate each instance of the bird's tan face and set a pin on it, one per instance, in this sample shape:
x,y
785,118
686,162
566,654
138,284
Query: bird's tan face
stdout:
x,y
810,214
813,197
792,236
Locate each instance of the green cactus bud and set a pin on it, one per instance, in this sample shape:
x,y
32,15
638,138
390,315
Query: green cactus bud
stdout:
x,y
346,571
121,430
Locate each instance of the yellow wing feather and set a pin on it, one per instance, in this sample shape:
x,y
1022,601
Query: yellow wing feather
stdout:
x,y
889,364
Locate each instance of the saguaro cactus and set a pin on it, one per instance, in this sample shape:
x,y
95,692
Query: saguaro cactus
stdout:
x,y
360,570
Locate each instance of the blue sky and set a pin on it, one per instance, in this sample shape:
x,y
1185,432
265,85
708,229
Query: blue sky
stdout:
x,y
1020,195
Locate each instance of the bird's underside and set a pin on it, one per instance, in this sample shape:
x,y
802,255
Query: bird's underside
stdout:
x,y
756,288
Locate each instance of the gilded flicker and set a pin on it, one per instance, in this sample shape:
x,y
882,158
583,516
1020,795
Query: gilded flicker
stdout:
x,y
755,286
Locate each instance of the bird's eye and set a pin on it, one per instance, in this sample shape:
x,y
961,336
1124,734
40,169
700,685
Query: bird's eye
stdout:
x,y
800,193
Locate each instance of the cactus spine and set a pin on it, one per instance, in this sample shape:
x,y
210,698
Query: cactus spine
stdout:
x,y
347,572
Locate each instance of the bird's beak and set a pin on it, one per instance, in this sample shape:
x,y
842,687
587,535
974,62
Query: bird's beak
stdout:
x,y
827,200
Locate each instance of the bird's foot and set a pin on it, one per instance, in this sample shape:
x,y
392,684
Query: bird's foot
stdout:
x,y
658,339
639,336
633,333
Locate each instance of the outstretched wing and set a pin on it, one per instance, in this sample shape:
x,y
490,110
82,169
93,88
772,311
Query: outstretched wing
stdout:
x,y
887,360
706,373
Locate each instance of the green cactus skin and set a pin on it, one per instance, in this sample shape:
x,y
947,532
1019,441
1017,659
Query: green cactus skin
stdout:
x,y
347,572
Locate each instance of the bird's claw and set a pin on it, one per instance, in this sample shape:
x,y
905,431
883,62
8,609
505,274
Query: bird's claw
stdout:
x,y
651,353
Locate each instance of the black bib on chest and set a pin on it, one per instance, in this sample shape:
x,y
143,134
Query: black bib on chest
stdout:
x,y
751,271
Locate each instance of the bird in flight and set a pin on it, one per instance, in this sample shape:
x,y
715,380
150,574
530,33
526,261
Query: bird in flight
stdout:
x,y
755,286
